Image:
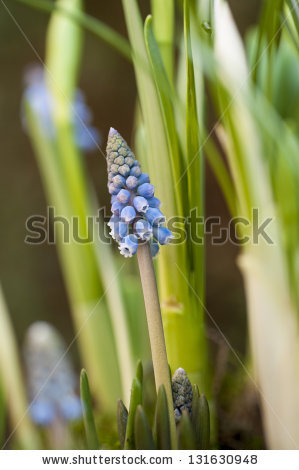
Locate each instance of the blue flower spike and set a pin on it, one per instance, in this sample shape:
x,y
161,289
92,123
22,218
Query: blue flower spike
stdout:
x,y
136,211
53,396
41,102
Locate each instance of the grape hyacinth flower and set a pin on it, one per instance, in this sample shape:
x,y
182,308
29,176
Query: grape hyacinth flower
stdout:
x,y
135,206
132,201
51,380
182,393
39,98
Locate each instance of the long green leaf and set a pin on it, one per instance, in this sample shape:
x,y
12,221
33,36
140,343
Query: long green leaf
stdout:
x,y
93,25
162,426
168,99
195,162
159,163
186,433
122,419
163,25
136,399
13,385
204,422
89,423
143,435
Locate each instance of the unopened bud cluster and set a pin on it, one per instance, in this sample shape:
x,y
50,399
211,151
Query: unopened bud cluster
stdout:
x,y
181,393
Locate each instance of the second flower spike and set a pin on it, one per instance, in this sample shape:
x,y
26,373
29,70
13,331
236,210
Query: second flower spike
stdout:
x,y
132,199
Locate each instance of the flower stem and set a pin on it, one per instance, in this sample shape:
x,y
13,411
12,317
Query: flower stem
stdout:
x,y
155,327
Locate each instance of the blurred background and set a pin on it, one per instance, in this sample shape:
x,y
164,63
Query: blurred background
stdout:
x,y
30,275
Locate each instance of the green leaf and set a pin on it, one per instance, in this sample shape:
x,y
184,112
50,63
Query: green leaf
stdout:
x,y
195,162
186,438
122,419
143,435
222,175
162,426
163,24
136,399
12,383
93,25
159,160
167,98
139,372
204,422
89,424
294,9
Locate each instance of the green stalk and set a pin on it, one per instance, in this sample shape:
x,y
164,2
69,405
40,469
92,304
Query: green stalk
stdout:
x,y
155,328
163,26
13,385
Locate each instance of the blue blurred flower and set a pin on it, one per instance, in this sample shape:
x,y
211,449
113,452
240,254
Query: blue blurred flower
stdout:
x,y
42,412
38,96
51,380
71,408
128,185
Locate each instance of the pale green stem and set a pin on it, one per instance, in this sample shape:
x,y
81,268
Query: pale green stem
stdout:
x,y
155,328
11,377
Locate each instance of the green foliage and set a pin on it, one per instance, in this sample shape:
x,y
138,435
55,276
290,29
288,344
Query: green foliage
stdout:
x,y
88,418
93,25
122,420
161,425
143,435
136,399
134,429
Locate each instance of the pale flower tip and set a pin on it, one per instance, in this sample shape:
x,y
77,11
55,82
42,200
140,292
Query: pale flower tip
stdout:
x,y
112,131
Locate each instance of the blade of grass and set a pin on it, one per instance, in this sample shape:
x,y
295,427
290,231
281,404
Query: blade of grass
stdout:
x,y
143,434
196,173
162,425
13,385
168,98
224,179
294,9
89,423
163,26
122,419
136,399
93,25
